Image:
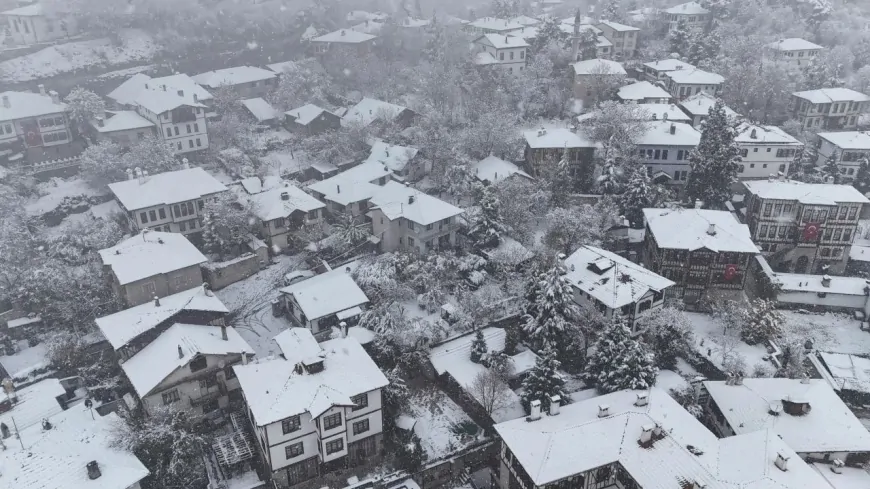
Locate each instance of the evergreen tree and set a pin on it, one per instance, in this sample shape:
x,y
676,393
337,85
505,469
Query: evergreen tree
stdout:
x,y
640,193
805,163
550,308
763,321
703,47
611,11
679,38
226,225
862,178
561,181
619,362
489,228
544,381
714,162
830,171
478,347
549,31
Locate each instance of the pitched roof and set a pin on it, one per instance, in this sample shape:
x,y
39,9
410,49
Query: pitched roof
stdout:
x,y
829,95
327,293
274,390
701,103
609,278
695,77
344,36
688,229
494,169
793,44
663,112
805,193
369,109
400,201
558,137
554,448
598,67
127,92
829,425
35,403
847,139
525,20
764,135
233,76
642,90
260,109
658,133
688,8
305,114
503,41
158,100
57,458
394,157
272,204
32,10
27,104
150,253
617,26
123,120
154,363
495,24
669,64
849,372
122,327
165,188
343,190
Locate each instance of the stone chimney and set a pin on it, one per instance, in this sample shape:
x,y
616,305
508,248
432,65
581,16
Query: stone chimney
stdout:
x,y
646,435
156,301
699,204
781,462
711,229
342,328
285,196
673,129
55,98
224,333
41,89
555,404
6,103
93,470
642,399
534,411
180,352
826,280
603,410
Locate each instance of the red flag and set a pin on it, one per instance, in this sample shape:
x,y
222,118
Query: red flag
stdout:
x,y
730,271
811,231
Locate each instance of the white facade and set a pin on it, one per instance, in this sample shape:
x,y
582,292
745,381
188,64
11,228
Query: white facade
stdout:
x,y
38,119
27,25
693,13
186,131
851,147
623,37
664,150
199,391
508,52
794,51
766,151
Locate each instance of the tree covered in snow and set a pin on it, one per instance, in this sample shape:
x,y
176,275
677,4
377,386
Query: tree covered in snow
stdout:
x,y
522,203
679,37
668,333
549,30
490,388
106,162
302,82
611,11
350,232
820,12
487,231
640,193
378,277
478,347
862,177
580,336
226,226
820,74
714,162
84,105
762,321
620,362
830,171
805,169
703,48
396,395
544,381
410,454
549,308
337,146
587,224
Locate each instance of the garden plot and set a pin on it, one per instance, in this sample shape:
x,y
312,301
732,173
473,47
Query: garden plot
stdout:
x,y
443,427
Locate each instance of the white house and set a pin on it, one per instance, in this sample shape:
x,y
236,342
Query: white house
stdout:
x,y
125,94
591,76
665,112
369,110
695,16
794,51
325,301
766,150
829,108
35,128
350,191
644,92
493,170
664,149
282,210
171,201
623,37
246,81
611,284
506,51
344,39
124,127
315,410
179,117
698,108
29,24
492,25
402,161
851,148
190,367
806,414
658,70
403,218
685,83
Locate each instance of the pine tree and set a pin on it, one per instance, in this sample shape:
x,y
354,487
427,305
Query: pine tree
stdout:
x,y
544,381
489,228
561,181
830,171
679,38
862,178
549,31
478,347
619,362
611,11
762,321
639,194
550,307
714,162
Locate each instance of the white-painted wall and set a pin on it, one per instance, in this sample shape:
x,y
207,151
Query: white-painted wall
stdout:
x,y
33,29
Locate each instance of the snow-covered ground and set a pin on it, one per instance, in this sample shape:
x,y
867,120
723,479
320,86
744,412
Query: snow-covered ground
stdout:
x,y
26,360
829,331
438,421
127,72
52,193
72,56
711,338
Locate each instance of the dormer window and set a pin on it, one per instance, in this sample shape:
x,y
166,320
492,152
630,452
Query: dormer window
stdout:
x,y
290,424
361,401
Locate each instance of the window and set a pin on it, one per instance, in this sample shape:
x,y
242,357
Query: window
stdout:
x,y
198,363
657,154
781,233
332,421
198,143
171,396
838,234
853,211
176,130
178,145
755,150
140,135
229,373
429,227
143,217
782,168
522,55
313,215
162,212
190,143
664,154
762,233
744,152
680,155
768,150
847,235
166,228
290,424
411,225
828,233
293,450
360,426
501,56
361,401
182,226
188,128
411,242
195,127
512,55
334,446
152,215
767,209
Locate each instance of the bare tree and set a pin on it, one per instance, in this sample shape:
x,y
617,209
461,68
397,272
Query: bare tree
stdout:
x,y
490,389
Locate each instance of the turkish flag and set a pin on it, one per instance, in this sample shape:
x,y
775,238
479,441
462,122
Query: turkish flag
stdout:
x,y
730,271
31,133
811,231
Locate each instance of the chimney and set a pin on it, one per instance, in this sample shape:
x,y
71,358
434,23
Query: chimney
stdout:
x,y
665,118
699,204
711,230
163,87
770,178
244,358
753,134
781,462
46,424
195,98
93,470
542,132
6,103
646,435
224,333
655,117
129,173
180,352
156,301
410,199
55,98
535,411
342,327
805,379
342,32
285,196
555,404
185,163
673,128
826,280
144,175
729,378
41,89
738,378
642,399
338,189
603,410
837,466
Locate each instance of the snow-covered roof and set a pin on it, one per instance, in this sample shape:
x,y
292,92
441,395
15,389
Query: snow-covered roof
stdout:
x,y
860,250
369,27
414,23
688,8
695,77
850,372
141,89
556,447
165,188
342,190
233,76
57,458
158,100
255,185
805,193
275,390
260,109
366,172
609,278
150,253
32,10
829,95
528,33
602,42
793,44
847,478
347,36
599,67
35,403
394,157
847,139
701,103
494,24
804,282
828,426
122,120
369,109
494,169
616,26
358,15
282,202
400,201
662,112
689,229
26,104
525,20
523,362
123,326
327,293
658,133
281,67
764,135
669,64
642,90
556,137
305,114
152,364
502,41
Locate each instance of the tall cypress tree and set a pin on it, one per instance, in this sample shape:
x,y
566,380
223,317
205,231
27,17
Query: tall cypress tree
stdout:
x,y
678,39
478,347
550,308
831,171
620,362
544,381
714,162
862,178
487,231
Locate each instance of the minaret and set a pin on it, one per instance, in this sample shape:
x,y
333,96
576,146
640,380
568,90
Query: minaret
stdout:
x,y
575,42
